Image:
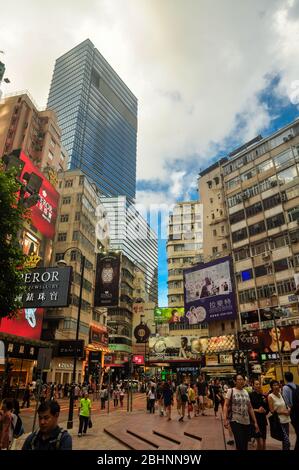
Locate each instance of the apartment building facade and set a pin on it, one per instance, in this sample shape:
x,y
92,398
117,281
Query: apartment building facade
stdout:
x,y
76,230
259,183
184,246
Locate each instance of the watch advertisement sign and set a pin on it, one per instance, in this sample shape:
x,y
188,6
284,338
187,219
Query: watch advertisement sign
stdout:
x,y
107,280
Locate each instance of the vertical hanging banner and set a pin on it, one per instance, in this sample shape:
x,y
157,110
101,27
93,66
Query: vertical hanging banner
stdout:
x,y
107,280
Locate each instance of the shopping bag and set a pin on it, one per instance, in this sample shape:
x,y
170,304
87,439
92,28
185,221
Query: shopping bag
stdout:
x,y
90,423
275,427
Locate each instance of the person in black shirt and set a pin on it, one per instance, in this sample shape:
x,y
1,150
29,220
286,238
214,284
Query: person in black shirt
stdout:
x,y
49,436
261,409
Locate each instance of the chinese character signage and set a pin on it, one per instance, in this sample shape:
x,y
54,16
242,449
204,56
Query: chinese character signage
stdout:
x,y
44,213
169,315
107,280
209,293
27,324
47,287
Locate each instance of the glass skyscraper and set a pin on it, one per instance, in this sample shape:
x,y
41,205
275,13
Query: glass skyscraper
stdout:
x,y
130,233
97,114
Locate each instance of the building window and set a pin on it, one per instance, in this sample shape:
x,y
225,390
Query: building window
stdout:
x,y
260,271
237,217
79,197
293,214
246,275
265,292
75,235
68,183
62,237
247,296
214,233
271,201
59,256
215,250
239,235
81,180
224,246
275,221
254,209
286,287
53,143
281,265
255,229
77,216
50,155
66,200
241,254
211,200
259,248
64,218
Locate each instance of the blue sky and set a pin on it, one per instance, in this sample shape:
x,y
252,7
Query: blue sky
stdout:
x,y
281,112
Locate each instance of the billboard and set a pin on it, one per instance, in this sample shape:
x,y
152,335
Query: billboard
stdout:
x,y
169,314
209,293
107,280
44,213
266,340
98,335
47,287
188,347
27,324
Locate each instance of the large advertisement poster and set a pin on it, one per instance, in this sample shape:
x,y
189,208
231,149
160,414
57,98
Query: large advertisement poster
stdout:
x,y
169,314
209,293
188,347
107,280
44,213
27,324
271,340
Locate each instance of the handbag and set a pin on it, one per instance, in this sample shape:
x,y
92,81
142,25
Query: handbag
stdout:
x,y
275,427
90,423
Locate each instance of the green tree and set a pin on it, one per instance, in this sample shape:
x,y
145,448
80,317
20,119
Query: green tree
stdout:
x,y
12,215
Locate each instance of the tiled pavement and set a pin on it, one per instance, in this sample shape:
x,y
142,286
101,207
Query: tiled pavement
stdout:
x,y
152,431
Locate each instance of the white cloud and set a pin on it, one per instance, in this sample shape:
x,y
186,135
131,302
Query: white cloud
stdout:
x,y
196,67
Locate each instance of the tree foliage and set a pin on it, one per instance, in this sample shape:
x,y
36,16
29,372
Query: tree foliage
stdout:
x,y
12,215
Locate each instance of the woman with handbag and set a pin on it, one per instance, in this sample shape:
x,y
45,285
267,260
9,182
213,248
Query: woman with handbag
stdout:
x,y
261,409
237,412
278,407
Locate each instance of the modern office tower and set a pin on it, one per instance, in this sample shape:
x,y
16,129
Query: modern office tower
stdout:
x,y
76,228
131,234
97,114
184,246
260,183
36,132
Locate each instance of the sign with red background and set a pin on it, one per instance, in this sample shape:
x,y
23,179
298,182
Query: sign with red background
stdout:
x,y
44,213
28,324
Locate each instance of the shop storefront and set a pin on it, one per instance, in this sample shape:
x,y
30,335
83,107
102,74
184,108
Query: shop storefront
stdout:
x,y
20,365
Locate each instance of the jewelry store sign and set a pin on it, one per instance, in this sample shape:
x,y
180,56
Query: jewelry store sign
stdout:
x,y
47,287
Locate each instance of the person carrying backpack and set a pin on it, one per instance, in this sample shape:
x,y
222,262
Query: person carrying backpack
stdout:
x,y
49,436
182,399
290,393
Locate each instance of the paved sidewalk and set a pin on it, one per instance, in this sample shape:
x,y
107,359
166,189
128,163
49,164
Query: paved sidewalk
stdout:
x,y
119,421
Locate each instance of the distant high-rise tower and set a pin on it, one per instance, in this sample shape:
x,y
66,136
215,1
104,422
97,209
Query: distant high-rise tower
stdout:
x,y
97,114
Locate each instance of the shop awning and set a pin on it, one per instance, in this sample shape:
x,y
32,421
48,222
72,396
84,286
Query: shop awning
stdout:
x,y
22,340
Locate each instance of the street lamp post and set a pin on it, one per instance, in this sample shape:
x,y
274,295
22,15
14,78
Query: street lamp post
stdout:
x,y
71,406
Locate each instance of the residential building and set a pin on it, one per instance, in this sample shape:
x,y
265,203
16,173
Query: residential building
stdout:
x,y
97,114
260,185
36,132
184,246
76,230
130,233
120,319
